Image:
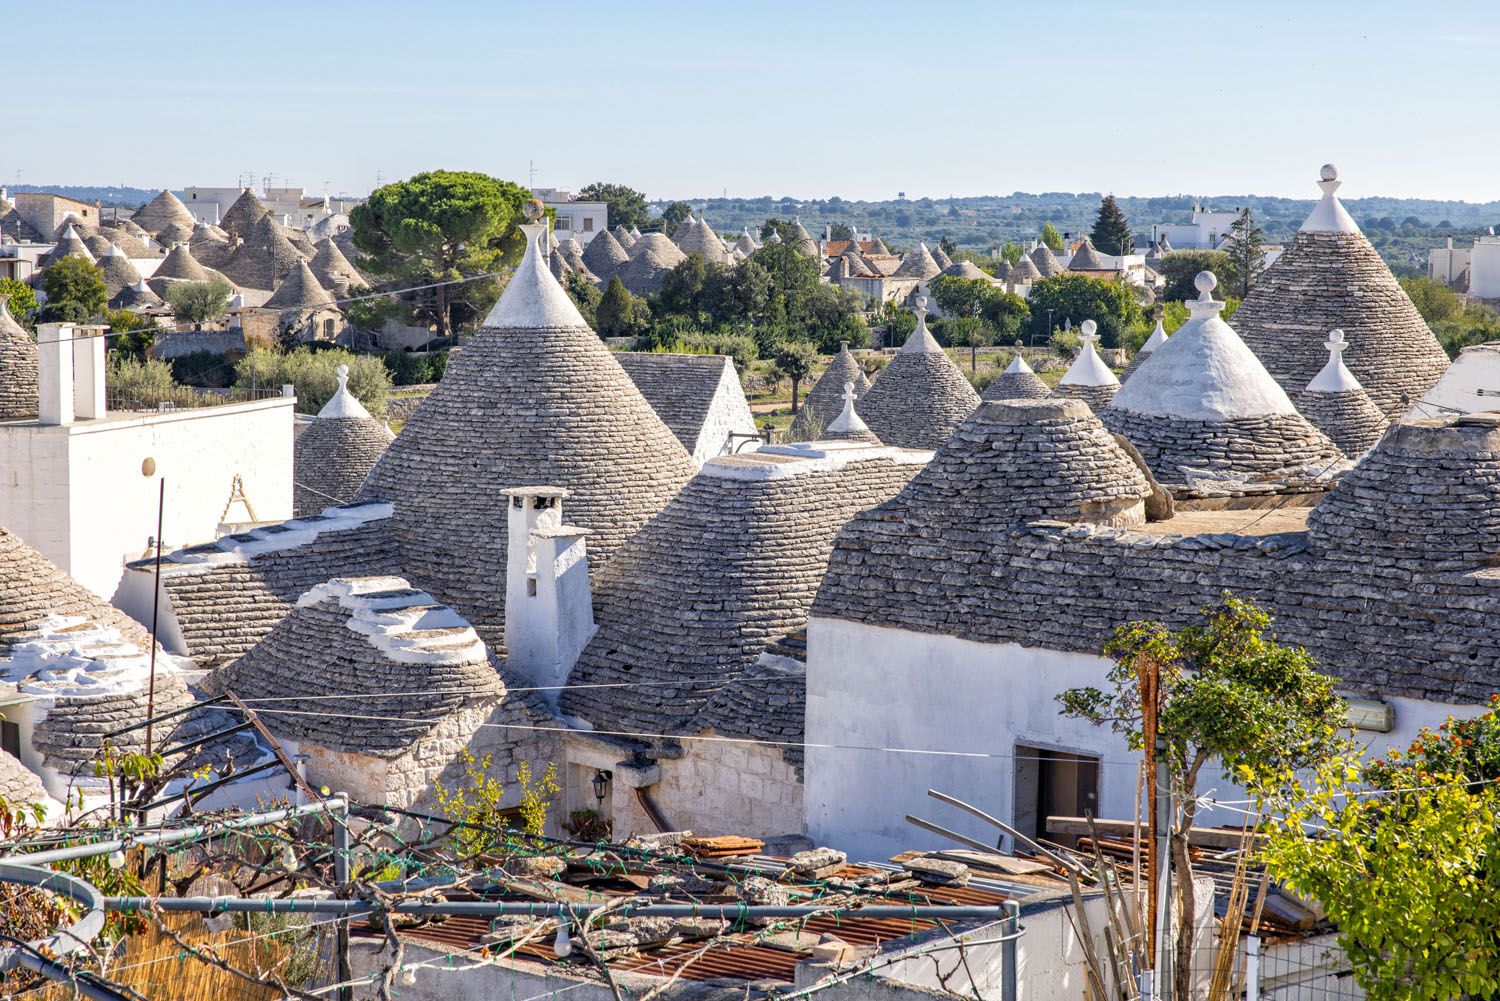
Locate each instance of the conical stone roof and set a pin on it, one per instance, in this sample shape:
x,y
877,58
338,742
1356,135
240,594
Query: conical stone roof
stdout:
x,y
919,264
558,266
848,425
334,454
18,368
745,243
265,258
1023,272
133,246
1017,382
119,273
1088,378
1336,404
1330,277
300,292
137,296
70,245
98,244
242,216
877,246
1206,404
164,210
1002,270
210,246
1086,258
535,398
333,270
921,397
174,233
966,270
180,265
652,256
802,240
1425,499
942,260
623,237
604,255
727,568
1046,262
700,239
355,641
825,400
572,253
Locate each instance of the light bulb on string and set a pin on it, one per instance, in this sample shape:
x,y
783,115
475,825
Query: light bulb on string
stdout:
x,y
562,947
116,859
289,857
408,976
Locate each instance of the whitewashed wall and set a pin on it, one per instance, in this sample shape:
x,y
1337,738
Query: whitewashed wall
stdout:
x,y
730,411
886,695
75,492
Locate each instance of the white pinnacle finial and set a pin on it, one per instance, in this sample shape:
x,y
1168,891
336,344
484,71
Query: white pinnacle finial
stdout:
x,y
921,340
847,420
342,373
343,403
848,394
921,307
1335,376
1089,332
1329,215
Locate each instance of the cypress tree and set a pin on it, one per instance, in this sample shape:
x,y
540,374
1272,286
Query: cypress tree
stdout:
x,y
1111,233
616,309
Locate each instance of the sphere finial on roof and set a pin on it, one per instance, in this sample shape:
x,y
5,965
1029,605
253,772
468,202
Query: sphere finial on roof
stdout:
x,y
1335,343
1329,172
1335,376
1090,331
1205,282
342,372
533,209
343,403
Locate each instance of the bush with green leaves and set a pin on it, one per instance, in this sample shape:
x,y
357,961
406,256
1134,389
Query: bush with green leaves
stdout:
x,y
412,368
739,347
199,302
312,373
1180,267
20,301
1071,297
75,292
208,369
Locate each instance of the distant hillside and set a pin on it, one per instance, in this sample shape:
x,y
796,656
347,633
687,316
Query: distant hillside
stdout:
x,y
1401,228
124,197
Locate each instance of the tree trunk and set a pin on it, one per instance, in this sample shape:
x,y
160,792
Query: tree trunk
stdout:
x,y
442,306
973,358
795,383
1182,973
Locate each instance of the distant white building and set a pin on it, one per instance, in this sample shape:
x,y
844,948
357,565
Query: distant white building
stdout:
x,y
292,207
577,219
1478,267
1205,232
77,488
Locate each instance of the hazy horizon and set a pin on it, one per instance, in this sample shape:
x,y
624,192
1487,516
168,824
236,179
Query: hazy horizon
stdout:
x,y
1145,99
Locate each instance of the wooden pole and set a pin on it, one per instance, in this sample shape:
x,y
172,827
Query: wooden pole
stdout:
x,y
161,503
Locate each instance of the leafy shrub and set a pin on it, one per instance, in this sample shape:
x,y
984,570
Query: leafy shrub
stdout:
x,y
409,368
203,368
312,373
740,347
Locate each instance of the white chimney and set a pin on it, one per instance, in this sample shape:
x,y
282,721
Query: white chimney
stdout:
x,y
55,373
549,610
88,371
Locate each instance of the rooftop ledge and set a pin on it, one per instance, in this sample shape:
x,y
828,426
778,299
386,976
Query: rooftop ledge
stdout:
x,y
117,418
803,458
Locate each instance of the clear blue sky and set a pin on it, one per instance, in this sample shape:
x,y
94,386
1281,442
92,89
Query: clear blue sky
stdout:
x,y
805,99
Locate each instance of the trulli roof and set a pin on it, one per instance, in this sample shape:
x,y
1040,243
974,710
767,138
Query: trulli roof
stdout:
x,y
802,240
1338,406
966,270
166,209
1023,272
623,237
265,258
1205,402
825,401
137,296
745,243
1331,277
18,368
1086,258
334,454
333,270
242,215
69,246
535,397
119,273
727,568
1046,262
700,239
405,660
300,292
604,255
918,263
942,260
652,256
921,396
1017,382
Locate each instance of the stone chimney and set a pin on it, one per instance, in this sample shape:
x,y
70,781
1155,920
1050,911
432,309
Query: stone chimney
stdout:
x,y
88,371
549,609
70,372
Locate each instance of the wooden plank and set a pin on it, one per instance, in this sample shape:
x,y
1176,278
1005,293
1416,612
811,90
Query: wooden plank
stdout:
x,y
1206,837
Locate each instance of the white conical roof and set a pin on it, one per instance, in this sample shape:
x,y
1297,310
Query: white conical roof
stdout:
x,y
1335,376
344,403
848,422
1017,366
1088,369
533,298
921,340
1329,215
1204,372
1157,339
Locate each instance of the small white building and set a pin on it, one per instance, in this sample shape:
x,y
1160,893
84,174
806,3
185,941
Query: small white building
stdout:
x,y
580,220
1205,231
76,484
292,207
1478,267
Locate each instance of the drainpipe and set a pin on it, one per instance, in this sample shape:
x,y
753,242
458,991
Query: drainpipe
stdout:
x,y
641,776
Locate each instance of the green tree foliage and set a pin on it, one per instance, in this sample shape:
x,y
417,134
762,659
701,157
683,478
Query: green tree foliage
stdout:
x,y
476,802
312,373
20,301
840,231
794,360
957,296
1404,856
970,332
584,295
1245,248
1111,233
947,246
1434,300
1005,312
1076,298
75,292
1000,311
199,302
1226,695
615,316
1011,252
782,227
673,215
897,323
627,206
441,226
1052,238
1180,267
740,348
136,333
